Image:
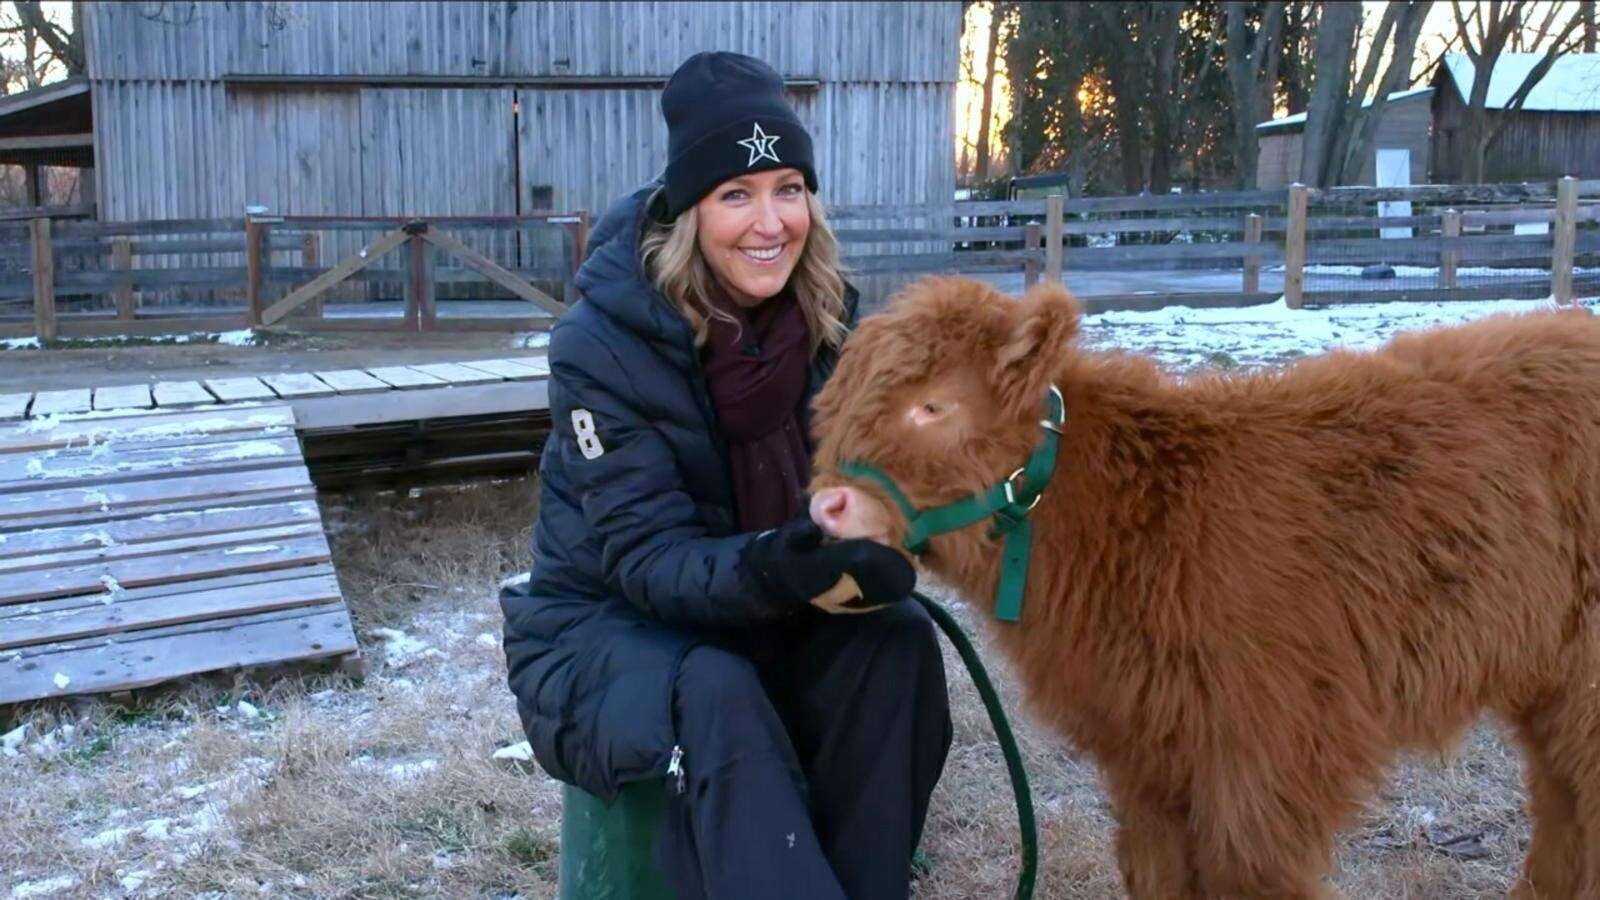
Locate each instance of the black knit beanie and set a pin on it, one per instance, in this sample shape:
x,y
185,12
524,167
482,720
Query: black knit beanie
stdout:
x,y
726,116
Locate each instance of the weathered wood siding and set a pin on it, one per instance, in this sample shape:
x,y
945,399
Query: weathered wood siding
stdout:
x,y
1533,147
1406,123
179,134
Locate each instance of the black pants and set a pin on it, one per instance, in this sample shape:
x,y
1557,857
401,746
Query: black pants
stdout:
x,y
809,755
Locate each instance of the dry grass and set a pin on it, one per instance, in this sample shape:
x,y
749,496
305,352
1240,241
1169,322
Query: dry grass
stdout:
x,y
387,789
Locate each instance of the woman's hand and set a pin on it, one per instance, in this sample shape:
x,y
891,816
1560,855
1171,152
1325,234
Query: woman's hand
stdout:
x,y
794,562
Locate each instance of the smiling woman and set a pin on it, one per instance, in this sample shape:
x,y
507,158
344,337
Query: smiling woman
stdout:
x,y
682,630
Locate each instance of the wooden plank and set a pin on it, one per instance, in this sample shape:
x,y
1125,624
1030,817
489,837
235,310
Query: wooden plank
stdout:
x,y
180,506
1525,289
125,615
19,508
291,385
404,378
310,257
14,611
99,464
367,256
123,396
352,381
420,294
14,407
81,555
138,428
494,271
455,374
233,390
1149,302
509,369
280,553
52,403
163,526
1130,253
181,394
209,646
44,280
519,398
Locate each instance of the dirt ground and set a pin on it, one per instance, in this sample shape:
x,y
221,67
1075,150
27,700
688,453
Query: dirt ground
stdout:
x,y
103,363
304,784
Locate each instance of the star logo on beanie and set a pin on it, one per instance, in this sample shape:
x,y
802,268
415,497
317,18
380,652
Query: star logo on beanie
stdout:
x,y
759,143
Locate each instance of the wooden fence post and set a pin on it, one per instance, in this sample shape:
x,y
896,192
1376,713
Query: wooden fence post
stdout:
x,y
1294,248
1032,239
1449,227
1053,251
255,239
1252,264
122,261
1564,248
310,258
420,312
44,281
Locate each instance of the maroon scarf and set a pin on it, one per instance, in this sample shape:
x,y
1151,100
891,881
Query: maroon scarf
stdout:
x,y
757,375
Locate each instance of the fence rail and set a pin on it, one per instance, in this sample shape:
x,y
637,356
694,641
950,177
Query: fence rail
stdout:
x,y
1309,246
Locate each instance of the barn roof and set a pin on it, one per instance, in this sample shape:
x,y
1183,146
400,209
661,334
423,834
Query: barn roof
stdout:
x,y
1298,120
1571,85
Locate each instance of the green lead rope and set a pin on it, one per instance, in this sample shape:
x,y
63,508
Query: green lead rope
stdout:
x,y
1003,735
1008,503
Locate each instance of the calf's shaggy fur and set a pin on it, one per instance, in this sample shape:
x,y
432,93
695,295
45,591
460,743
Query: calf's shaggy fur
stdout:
x,y
1248,592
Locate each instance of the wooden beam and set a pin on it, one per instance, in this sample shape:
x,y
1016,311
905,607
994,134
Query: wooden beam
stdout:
x,y
1449,227
494,271
1052,238
366,257
1252,264
310,256
46,142
1030,265
1294,248
44,281
122,260
254,266
1564,248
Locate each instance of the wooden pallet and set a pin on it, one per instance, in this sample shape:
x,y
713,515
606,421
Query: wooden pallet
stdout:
x,y
140,548
339,398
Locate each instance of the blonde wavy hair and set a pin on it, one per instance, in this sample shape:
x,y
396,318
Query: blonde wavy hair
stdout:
x,y
671,254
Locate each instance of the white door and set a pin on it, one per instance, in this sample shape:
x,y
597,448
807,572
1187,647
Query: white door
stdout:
x,y
1393,169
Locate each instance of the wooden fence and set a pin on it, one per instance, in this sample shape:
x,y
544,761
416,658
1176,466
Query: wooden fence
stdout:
x,y
1309,246
84,279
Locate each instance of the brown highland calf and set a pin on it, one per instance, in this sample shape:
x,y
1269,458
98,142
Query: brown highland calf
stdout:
x,y
1248,592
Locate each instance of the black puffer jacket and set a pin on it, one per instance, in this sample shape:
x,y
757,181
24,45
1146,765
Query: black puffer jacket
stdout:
x,y
635,550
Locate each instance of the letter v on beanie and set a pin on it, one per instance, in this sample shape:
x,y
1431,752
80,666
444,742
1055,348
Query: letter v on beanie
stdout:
x,y
727,116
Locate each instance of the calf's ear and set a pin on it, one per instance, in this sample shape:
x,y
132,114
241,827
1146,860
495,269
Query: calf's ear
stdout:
x,y
1042,324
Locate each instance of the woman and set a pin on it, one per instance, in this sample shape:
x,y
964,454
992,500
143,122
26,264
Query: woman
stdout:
x,y
668,630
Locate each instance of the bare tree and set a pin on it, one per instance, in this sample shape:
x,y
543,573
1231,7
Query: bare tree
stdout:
x,y
1334,55
1586,11
1486,32
1360,127
1253,61
65,43
990,66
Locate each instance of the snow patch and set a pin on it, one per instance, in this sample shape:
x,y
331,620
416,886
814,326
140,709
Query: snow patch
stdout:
x,y
251,548
244,337
61,681
522,752
489,640
44,887
11,741
516,580
402,649
25,343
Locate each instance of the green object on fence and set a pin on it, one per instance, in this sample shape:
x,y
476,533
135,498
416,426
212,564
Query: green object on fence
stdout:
x,y
608,852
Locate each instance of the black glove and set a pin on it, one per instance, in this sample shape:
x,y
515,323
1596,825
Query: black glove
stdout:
x,y
795,563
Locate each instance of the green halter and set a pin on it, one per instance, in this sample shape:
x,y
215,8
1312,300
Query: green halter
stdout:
x,y
1008,502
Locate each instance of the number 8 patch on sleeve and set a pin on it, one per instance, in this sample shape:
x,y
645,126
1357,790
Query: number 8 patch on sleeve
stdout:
x,y
583,430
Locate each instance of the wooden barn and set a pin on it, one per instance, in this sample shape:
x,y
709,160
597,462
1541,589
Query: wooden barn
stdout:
x,y
496,106
1555,133
1400,149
